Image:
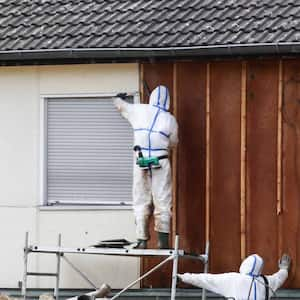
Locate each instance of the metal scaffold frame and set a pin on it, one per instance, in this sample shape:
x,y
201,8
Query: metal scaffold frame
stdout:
x,y
59,251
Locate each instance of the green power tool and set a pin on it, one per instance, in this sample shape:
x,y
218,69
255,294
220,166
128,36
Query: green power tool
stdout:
x,y
151,162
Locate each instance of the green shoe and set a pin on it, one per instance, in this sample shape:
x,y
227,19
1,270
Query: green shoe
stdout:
x,y
163,240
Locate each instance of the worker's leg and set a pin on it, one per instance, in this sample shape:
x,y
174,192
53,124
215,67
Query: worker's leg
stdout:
x,y
142,202
162,199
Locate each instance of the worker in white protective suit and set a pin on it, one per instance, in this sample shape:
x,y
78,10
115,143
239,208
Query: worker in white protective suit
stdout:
x,y
248,284
155,131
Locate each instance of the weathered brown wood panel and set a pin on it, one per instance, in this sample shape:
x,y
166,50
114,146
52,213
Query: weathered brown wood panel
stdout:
x,y
190,91
291,168
155,74
225,139
261,187
266,232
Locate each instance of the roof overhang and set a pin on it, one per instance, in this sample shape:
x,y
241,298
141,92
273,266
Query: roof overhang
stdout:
x,y
116,54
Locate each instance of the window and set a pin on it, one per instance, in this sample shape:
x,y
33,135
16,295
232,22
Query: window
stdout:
x,y
88,152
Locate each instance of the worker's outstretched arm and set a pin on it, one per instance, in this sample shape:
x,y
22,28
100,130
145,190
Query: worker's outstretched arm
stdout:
x,y
277,279
122,106
217,283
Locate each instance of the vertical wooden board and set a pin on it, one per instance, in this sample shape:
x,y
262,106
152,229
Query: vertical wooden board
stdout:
x,y
261,185
155,74
291,168
225,152
191,83
243,159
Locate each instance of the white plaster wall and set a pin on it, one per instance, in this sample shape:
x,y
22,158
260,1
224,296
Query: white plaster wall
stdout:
x,y
14,223
19,132
85,228
20,104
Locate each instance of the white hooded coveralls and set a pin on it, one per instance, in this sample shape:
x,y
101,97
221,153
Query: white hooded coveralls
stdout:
x,y
155,131
237,285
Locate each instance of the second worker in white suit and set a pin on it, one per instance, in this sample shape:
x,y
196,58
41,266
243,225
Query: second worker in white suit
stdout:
x,y
248,284
155,131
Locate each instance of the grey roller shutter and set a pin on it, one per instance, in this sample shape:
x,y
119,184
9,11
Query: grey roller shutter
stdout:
x,y
89,152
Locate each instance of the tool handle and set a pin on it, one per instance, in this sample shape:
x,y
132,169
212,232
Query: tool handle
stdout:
x,y
139,149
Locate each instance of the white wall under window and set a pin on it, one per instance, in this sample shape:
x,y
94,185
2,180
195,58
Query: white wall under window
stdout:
x,y
87,151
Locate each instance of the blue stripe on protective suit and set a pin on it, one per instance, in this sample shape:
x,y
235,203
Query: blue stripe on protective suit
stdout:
x,y
154,149
150,130
253,266
164,134
253,275
166,98
154,131
153,123
164,109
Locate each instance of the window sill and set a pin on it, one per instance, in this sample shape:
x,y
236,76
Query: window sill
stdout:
x,y
84,207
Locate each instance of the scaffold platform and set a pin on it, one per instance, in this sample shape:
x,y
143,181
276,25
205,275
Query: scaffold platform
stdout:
x,y
60,252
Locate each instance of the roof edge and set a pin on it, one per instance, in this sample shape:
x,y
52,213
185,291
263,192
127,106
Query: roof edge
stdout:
x,y
136,53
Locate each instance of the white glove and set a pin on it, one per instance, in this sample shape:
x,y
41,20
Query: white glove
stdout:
x,y
179,277
284,262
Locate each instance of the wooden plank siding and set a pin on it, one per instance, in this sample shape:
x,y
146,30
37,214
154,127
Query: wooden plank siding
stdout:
x,y
261,168
191,196
225,136
291,167
237,169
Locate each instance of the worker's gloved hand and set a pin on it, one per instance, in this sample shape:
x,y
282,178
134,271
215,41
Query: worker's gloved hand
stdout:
x,y
284,262
122,95
179,277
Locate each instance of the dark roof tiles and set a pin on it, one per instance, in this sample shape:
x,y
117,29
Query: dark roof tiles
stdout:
x,y
58,24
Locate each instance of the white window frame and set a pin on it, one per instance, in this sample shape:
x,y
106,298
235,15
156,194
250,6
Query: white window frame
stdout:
x,y
43,148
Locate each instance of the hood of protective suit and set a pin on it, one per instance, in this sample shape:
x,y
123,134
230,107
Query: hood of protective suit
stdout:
x,y
252,265
160,97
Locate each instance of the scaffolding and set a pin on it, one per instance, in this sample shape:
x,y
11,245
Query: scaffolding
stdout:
x,y
170,254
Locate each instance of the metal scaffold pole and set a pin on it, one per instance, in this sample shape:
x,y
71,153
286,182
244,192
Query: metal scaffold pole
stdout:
x,y
58,257
26,251
175,268
205,268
